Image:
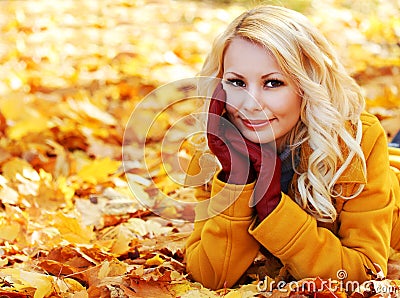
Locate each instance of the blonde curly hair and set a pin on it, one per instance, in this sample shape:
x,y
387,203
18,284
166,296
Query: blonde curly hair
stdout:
x,y
331,100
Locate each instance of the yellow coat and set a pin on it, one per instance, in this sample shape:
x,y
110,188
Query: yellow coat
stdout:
x,y
224,244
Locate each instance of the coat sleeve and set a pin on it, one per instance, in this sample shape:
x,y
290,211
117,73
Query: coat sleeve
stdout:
x,y
220,249
363,237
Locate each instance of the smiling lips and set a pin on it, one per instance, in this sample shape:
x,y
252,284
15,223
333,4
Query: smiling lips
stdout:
x,y
256,124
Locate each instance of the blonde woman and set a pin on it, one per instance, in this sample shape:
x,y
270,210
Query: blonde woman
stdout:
x,y
305,172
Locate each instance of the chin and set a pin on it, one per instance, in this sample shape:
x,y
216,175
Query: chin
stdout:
x,y
259,139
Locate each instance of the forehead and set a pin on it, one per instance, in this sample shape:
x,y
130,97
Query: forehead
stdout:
x,y
248,54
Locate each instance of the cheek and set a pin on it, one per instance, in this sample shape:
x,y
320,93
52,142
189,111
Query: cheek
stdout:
x,y
293,113
288,108
234,100
296,107
293,109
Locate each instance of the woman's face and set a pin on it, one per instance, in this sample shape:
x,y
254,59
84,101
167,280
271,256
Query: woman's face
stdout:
x,y
261,101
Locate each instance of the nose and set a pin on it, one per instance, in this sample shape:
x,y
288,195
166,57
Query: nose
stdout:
x,y
252,101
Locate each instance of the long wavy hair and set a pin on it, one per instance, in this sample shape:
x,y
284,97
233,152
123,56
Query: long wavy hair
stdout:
x,y
331,100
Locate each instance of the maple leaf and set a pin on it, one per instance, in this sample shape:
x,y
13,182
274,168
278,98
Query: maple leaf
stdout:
x,y
22,279
99,170
72,230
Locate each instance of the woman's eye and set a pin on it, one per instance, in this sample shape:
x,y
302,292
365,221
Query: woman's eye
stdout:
x,y
236,82
273,83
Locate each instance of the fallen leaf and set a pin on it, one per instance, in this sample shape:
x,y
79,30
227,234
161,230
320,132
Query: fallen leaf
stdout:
x,y
99,170
72,230
23,279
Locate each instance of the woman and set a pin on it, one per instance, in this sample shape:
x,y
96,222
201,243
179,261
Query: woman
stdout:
x,y
305,172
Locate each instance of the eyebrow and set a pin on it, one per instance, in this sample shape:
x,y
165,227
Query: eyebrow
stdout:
x,y
263,77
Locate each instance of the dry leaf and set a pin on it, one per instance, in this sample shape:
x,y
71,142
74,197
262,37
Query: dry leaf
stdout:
x,y
99,170
72,230
23,279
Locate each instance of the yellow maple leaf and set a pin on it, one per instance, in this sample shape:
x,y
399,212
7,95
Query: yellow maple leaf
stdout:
x,y
28,126
99,170
24,279
72,230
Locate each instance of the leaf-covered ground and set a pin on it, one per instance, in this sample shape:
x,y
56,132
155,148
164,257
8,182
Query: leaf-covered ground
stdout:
x,y
71,73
